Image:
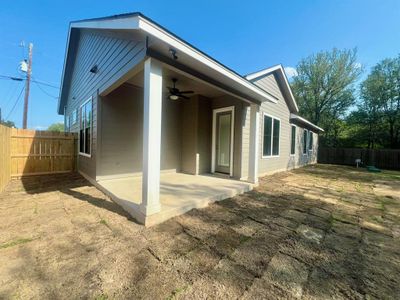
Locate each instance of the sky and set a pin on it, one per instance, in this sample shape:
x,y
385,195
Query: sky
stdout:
x,y
244,35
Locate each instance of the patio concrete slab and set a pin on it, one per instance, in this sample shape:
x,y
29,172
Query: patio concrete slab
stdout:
x,y
179,193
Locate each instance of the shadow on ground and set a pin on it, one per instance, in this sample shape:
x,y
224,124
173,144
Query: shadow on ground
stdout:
x,y
317,232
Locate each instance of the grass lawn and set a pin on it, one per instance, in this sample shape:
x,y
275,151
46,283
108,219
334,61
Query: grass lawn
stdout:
x,y
319,232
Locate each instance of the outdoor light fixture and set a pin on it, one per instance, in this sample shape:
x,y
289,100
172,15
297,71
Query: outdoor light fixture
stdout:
x,y
173,53
94,69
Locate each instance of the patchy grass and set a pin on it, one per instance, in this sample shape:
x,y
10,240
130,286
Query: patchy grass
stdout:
x,y
176,292
318,232
15,243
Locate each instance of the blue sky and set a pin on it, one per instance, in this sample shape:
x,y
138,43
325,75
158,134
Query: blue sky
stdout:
x,y
244,35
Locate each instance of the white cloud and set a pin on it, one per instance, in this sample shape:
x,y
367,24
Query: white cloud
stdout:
x,y
290,72
357,65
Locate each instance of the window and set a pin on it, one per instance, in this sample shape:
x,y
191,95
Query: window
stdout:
x,y
293,141
310,140
74,116
85,128
66,123
271,136
305,134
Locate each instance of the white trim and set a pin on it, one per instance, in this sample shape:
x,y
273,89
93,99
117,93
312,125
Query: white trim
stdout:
x,y
214,138
253,143
280,68
272,137
296,117
91,129
290,151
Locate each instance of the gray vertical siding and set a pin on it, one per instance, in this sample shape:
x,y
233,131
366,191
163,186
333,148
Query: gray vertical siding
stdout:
x,y
111,54
281,111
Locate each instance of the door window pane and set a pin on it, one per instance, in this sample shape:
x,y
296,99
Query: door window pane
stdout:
x,y
224,139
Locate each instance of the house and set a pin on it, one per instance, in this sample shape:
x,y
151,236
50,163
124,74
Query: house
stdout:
x,y
164,128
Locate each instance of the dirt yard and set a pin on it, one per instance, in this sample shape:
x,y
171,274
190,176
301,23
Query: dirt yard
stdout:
x,y
320,232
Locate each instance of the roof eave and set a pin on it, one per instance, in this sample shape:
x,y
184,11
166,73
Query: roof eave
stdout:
x,y
305,121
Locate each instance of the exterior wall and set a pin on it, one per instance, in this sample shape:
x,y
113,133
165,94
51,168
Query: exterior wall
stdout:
x,y
240,122
280,110
196,135
122,133
111,54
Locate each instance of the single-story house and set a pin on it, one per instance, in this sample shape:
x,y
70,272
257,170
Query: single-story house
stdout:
x,y
164,128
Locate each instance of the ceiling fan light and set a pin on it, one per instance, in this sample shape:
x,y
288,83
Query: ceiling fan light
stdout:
x,y
173,97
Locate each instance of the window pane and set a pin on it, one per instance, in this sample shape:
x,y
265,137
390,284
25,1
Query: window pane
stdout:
x,y
224,139
275,140
305,142
87,141
88,109
311,140
267,136
82,132
293,141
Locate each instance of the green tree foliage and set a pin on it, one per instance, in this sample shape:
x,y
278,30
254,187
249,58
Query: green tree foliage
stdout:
x,y
56,127
8,123
324,89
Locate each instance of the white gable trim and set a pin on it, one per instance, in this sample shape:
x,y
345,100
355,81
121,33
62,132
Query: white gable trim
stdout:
x,y
279,68
139,22
296,117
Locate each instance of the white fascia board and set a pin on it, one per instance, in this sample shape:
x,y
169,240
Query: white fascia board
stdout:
x,y
179,45
296,117
279,67
118,23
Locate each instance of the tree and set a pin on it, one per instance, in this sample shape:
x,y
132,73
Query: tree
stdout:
x,y
324,88
383,86
8,123
56,127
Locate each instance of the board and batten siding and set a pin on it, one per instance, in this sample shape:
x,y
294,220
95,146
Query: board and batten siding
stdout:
x,y
112,55
280,110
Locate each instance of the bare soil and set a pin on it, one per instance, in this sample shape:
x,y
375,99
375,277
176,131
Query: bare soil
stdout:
x,y
319,232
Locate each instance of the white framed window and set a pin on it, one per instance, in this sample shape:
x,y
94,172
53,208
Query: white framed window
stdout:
x,y
305,139
74,117
85,128
293,140
271,136
310,140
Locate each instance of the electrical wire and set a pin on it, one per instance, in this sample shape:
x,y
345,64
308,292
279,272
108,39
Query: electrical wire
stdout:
x,y
44,91
15,104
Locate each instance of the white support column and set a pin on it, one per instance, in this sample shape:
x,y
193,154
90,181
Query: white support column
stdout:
x,y
253,145
151,137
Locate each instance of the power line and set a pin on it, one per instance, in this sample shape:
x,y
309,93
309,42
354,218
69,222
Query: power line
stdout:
x,y
46,84
16,102
38,85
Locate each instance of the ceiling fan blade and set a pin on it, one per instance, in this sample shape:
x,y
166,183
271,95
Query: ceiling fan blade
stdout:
x,y
186,92
184,97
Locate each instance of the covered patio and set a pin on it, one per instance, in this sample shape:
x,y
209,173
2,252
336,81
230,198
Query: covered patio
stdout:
x,y
179,193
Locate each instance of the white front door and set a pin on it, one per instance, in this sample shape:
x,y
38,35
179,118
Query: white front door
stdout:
x,y
223,126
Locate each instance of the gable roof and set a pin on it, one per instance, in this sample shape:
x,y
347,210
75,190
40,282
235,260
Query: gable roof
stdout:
x,y
137,21
280,72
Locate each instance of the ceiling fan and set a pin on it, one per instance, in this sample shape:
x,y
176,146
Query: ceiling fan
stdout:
x,y
175,93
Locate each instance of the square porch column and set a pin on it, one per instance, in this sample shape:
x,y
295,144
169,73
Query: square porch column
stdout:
x,y
151,137
253,144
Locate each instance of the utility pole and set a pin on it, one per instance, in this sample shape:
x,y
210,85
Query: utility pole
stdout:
x,y
27,85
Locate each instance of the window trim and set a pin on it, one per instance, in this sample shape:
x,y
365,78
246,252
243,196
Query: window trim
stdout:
x,y
272,136
305,131
91,129
291,132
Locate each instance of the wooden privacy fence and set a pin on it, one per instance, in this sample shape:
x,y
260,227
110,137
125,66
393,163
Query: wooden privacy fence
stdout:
x,y
30,152
5,166
41,152
381,158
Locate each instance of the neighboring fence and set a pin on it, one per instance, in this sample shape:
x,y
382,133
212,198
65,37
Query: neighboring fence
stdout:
x,y
41,152
29,152
380,158
5,166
